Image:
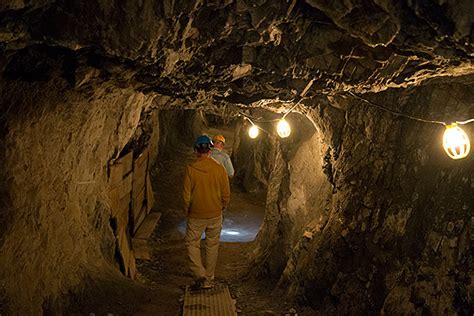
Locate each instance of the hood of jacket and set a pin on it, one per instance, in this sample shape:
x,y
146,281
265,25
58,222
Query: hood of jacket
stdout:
x,y
204,164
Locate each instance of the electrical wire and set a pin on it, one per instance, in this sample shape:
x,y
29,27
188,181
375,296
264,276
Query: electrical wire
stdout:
x,y
285,113
292,108
380,107
256,119
253,119
247,118
465,122
253,124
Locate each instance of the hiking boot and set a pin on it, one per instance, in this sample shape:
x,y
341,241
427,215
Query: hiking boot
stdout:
x,y
208,284
198,284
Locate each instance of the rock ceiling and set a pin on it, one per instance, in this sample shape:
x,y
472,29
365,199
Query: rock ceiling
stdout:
x,y
239,51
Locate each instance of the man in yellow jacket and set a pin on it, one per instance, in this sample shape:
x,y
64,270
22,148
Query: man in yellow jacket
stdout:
x,y
206,194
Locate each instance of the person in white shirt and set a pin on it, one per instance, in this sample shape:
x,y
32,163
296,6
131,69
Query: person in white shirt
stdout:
x,y
220,156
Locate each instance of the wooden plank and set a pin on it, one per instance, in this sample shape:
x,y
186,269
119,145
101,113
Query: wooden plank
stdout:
x,y
124,204
141,249
120,196
115,175
127,163
150,196
120,168
148,226
142,158
139,220
140,168
137,204
132,266
114,203
209,302
126,186
139,179
124,249
122,223
121,206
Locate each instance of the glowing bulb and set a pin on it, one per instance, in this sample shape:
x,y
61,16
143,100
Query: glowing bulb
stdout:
x,y
283,128
456,142
253,132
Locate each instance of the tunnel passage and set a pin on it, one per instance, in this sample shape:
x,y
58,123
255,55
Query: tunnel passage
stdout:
x,y
350,195
242,220
257,163
365,213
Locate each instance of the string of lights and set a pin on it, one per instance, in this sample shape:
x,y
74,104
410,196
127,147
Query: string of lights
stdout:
x,y
455,140
283,128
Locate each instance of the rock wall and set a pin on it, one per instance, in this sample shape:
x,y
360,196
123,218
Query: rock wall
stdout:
x,y
179,127
291,172
253,160
56,144
370,215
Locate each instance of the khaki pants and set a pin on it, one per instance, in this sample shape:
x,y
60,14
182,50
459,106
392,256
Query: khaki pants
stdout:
x,y
194,229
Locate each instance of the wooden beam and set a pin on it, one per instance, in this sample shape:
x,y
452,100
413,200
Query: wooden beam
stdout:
x,y
150,196
141,250
148,226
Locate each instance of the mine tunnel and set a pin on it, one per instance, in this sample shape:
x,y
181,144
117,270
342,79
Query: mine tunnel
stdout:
x,y
361,205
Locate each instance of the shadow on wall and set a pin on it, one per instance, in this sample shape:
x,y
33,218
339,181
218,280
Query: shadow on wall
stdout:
x,y
180,127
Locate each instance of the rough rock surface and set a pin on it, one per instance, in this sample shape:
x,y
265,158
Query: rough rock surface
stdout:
x,y
389,227
55,223
365,212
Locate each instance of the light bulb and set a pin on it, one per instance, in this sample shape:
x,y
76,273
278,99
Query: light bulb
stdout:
x,y
283,128
456,142
253,131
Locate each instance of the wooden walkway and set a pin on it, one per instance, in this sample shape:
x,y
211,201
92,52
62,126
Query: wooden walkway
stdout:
x,y
209,302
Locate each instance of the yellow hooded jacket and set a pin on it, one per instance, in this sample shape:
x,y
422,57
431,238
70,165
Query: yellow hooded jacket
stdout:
x,y
206,189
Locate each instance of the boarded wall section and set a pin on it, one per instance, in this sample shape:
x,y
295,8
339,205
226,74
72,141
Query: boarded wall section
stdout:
x,y
131,199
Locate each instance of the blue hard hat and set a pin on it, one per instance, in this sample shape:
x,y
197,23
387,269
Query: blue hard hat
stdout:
x,y
203,141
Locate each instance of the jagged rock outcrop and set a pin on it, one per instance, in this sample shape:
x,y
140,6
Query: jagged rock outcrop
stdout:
x,y
243,51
